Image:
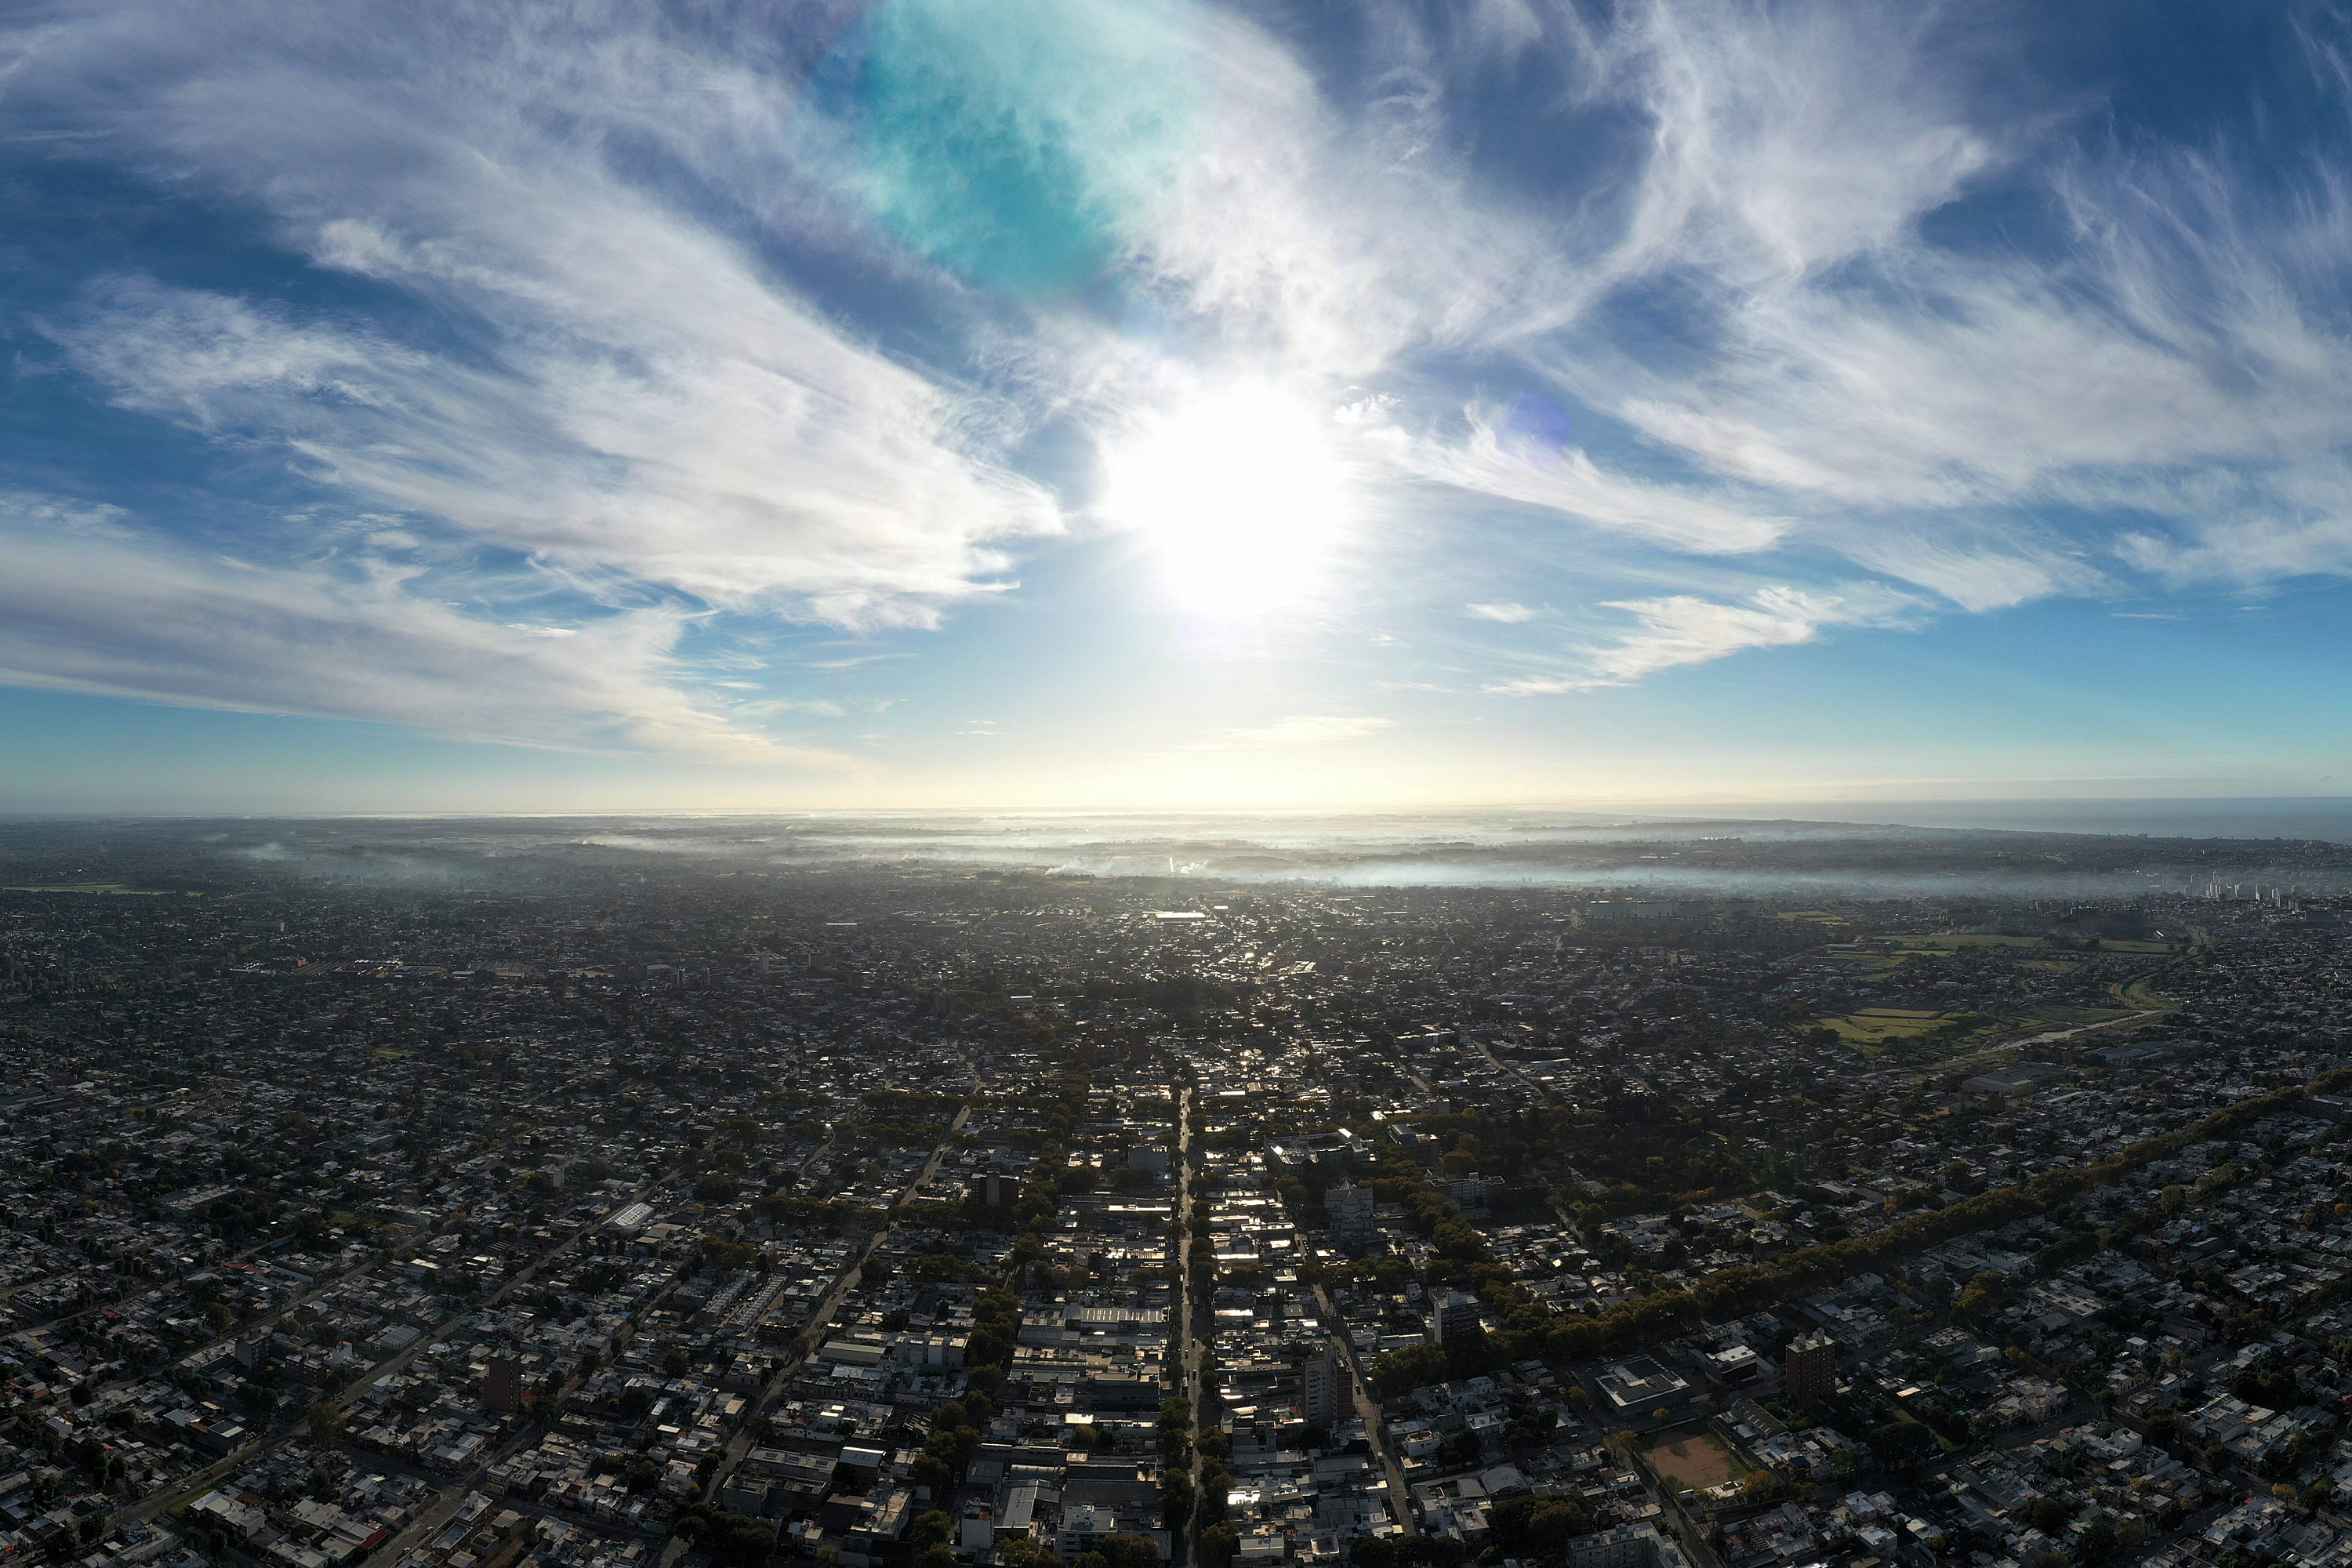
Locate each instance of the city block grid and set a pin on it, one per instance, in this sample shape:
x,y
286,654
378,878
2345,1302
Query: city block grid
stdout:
x,y
940,1217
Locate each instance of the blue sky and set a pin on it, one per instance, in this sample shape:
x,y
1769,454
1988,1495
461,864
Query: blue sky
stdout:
x,y
1162,402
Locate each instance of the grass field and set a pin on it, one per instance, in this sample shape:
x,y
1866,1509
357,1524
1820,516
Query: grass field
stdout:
x,y
1882,1024
1947,943
1871,1030
1693,1459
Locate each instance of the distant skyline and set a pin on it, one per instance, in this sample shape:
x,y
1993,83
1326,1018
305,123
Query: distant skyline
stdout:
x,y
1160,403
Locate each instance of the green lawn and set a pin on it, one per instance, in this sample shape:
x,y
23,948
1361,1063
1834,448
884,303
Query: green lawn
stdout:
x,y
1875,1027
1947,943
2136,994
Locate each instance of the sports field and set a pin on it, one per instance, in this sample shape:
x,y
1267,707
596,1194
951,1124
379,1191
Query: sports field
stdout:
x,y
1694,1459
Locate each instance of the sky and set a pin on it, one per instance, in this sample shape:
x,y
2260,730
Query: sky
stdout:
x,y
604,405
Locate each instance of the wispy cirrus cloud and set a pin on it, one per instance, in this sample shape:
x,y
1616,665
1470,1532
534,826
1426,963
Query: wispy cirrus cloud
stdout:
x,y
88,603
1569,483
538,340
2176,334
1677,629
809,313
606,376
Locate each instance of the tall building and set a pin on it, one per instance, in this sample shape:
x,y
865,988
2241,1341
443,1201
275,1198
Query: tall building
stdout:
x,y
503,1383
1326,1399
1452,1315
1811,1370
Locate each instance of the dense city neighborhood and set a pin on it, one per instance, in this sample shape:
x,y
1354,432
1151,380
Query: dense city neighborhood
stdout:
x,y
926,1216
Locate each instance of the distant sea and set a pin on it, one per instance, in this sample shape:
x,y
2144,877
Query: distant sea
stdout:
x,y
2316,816
1792,847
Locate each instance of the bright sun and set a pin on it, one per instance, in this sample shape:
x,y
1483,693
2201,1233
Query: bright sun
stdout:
x,y
1239,495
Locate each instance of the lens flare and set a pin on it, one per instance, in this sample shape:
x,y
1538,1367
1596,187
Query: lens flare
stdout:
x,y
1239,495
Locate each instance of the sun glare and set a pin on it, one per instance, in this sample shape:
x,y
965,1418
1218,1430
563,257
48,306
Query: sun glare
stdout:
x,y
1238,495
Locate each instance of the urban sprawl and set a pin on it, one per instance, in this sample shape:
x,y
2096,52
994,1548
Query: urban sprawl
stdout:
x,y
934,1215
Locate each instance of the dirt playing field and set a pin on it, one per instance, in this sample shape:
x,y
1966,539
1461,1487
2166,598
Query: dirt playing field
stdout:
x,y
1694,1459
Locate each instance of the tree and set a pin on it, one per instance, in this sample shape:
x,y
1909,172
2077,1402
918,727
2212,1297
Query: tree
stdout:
x,y
729,1256
1984,1291
732,1537
1216,1486
931,1527
1902,1445
2047,1515
1177,1499
1463,1449
1530,1431
1535,1527
1128,1552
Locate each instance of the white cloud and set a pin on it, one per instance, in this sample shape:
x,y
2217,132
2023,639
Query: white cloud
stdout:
x,y
1979,568
610,381
1789,137
1679,629
2181,342
1570,483
2164,380
2246,550
1299,730
587,211
1334,240
1508,615
89,605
